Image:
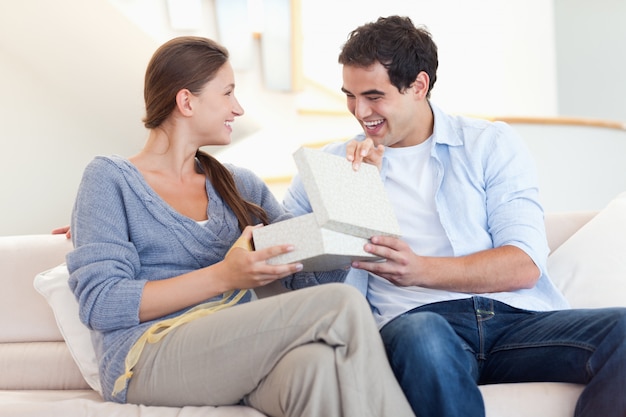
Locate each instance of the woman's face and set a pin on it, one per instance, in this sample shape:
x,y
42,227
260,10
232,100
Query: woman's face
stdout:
x,y
215,108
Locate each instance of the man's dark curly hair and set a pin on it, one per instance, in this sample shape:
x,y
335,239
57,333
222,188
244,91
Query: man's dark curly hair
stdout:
x,y
401,47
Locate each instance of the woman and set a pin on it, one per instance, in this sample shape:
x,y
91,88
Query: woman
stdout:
x,y
161,266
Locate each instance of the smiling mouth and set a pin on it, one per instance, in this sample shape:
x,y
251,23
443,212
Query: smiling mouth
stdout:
x,y
373,124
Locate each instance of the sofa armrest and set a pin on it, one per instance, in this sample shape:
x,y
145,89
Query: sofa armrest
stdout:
x,y
24,314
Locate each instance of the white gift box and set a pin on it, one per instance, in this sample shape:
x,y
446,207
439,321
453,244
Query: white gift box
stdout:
x,y
349,207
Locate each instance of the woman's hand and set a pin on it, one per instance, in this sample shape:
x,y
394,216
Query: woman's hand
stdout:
x,y
365,151
245,268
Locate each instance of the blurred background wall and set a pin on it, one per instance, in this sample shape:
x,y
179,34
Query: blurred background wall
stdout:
x,y
71,77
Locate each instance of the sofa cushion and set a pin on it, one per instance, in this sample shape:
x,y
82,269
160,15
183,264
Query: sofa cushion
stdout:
x,y
524,399
52,284
38,366
80,403
590,267
561,225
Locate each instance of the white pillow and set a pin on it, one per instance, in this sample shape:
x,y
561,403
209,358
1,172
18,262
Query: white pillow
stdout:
x,y
52,284
590,267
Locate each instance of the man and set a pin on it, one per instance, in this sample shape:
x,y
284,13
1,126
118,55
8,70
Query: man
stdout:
x,y
464,297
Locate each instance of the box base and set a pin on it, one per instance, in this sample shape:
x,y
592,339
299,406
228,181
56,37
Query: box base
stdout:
x,y
318,249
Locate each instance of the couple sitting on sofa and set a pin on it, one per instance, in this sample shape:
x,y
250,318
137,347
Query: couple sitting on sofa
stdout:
x,y
162,239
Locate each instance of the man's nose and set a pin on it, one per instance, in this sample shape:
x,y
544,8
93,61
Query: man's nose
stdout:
x,y
362,109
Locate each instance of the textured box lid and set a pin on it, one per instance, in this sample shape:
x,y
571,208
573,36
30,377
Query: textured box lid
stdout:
x,y
348,208
344,200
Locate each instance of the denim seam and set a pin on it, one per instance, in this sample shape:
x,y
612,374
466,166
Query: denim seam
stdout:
x,y
584,346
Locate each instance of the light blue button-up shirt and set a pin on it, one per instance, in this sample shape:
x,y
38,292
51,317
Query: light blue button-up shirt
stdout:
x,y
487,197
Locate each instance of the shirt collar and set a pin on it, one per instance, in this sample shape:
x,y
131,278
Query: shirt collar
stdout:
x,y
444,132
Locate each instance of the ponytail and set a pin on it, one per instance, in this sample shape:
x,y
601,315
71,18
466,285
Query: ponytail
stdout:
x,y
222,179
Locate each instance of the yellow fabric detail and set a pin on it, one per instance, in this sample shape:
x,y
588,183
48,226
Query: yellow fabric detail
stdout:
x,y
159,330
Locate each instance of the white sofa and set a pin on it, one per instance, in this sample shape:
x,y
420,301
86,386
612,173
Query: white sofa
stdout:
x,y
38,376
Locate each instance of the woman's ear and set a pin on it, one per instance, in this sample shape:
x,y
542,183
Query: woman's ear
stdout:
x,y
183,102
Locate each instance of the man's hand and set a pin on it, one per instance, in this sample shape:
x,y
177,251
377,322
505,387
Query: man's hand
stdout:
x,y
506,268
400,265
365,151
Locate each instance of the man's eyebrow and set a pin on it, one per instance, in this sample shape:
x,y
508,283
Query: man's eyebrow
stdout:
x,y
373,92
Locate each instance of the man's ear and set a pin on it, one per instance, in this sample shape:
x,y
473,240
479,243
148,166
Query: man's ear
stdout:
x,y
421,84
183,102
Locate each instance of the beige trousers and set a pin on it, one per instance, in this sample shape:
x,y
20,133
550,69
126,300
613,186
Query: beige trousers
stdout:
x,y
311,352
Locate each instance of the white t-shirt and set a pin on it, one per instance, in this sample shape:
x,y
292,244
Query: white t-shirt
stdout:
x,y
411,172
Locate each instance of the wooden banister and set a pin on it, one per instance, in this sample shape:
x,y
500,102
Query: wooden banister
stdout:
x,y
557,120
570,121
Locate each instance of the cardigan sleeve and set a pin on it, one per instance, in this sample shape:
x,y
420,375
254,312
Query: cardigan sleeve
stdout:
x,y
104,264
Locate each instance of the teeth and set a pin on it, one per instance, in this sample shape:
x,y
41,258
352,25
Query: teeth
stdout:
x,y
227,123
374,123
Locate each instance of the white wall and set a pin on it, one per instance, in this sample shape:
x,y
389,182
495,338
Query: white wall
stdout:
x,y
490,60
576,172
71,75
591,39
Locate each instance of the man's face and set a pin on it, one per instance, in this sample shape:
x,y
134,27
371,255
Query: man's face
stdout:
x,y
387,116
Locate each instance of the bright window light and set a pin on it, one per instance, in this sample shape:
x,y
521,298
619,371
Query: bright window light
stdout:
x,y
185,14
255,15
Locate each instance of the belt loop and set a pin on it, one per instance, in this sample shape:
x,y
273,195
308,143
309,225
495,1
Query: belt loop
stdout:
x,y
483,308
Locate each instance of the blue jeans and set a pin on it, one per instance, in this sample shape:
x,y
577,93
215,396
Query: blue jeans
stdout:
x,y
441,352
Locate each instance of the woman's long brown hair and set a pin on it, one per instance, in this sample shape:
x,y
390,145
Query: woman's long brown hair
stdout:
x,y
224,184
190,62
